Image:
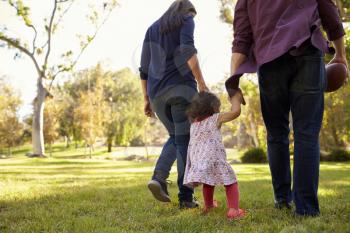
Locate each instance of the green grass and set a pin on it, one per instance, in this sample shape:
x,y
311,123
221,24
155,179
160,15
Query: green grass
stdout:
x,y
82,195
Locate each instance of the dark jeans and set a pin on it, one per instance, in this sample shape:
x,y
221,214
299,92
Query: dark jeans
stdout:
x,y
296,84
170,108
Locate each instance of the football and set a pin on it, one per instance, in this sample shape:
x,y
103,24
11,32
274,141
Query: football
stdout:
x,y
336,76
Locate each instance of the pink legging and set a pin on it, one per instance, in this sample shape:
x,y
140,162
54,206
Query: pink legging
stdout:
x,y
232,195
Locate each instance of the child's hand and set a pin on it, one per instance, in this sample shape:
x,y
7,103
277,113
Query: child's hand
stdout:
x,y
236,101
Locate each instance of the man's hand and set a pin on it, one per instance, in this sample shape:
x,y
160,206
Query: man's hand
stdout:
x,y
340,54
148,110
237,96
339,59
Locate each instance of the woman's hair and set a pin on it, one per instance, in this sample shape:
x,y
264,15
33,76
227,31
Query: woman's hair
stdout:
x,y
203,105
173,18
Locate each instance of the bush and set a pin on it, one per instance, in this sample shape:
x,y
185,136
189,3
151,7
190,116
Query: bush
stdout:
x,y
254,155
324,156
138,141
338,155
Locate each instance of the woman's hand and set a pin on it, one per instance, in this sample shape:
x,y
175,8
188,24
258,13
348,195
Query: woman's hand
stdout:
x,y
202,87
148,109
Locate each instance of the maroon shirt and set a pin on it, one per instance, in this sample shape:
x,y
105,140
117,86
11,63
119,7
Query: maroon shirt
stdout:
x,y
266,29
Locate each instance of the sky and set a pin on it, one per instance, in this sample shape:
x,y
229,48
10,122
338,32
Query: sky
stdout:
x,y
118,44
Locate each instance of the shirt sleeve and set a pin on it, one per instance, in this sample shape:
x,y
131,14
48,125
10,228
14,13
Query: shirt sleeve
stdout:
x,y
145,57
331,20
243,33
187,46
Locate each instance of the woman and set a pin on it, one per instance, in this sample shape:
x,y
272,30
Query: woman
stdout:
x,y
170,74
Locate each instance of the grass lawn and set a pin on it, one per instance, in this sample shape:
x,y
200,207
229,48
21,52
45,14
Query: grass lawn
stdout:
x,y
65,194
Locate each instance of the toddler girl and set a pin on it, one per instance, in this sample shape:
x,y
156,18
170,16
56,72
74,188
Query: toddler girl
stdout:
x,y
206,158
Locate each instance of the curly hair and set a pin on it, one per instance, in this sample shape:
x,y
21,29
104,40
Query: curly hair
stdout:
x,y
203,105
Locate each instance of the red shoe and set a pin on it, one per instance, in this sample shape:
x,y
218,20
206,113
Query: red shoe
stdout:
x,y
233,214
208,209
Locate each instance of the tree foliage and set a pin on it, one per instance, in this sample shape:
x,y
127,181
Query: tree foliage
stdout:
x,y
11,129
99,104
227,10
40,54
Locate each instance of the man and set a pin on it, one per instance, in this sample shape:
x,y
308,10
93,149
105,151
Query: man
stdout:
x,y
282,40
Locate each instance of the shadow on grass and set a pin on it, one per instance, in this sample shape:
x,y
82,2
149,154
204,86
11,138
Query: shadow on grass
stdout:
x,y
119,205
74,196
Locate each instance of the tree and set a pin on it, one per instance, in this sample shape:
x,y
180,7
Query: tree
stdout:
x,y
227,6
344,9
121,106
226,10
251,114
40,54
11,129
126,119
51,122
91,108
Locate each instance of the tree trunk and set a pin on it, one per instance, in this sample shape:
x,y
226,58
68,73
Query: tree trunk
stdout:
x,y
9,152
145,139
50,148
109,145
336,139
68,141
38,121
90,151
254,132
340,8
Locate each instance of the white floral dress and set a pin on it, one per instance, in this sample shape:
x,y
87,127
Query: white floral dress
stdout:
x,y
206,157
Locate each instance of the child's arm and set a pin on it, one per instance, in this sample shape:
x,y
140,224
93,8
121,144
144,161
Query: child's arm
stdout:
x,y
235,112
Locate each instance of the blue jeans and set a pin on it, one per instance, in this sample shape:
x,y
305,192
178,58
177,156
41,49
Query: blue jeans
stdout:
x,y
170,108
294,84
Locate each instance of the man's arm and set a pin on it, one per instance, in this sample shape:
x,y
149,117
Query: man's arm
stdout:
x,y
243,35
340,54
241,46
333,26
330,19
237,60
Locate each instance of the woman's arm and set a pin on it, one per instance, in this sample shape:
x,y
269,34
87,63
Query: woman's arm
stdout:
x,y
193,63
145,60
189,52
147,104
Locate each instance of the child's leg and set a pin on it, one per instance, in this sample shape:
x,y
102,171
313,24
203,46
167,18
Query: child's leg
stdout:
x,y
232,196
208,196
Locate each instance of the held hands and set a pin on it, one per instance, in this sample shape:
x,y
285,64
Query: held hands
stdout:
x,y
237,98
